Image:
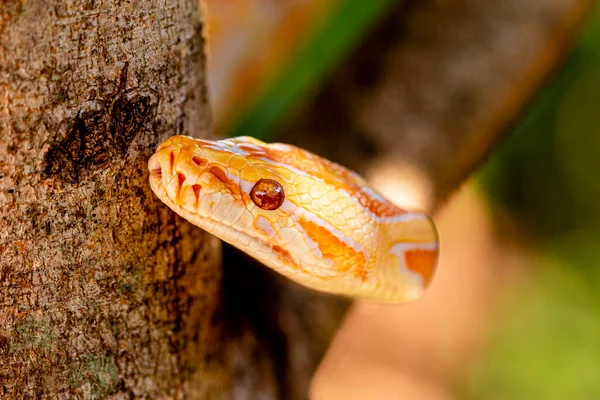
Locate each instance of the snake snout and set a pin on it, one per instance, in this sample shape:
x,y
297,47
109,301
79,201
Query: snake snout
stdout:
x,y
156,166
164,177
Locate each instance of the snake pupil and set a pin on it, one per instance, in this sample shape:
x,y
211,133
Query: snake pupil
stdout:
x,y
267,194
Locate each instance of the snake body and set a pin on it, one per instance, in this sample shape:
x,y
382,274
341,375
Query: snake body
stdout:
x,y
308,218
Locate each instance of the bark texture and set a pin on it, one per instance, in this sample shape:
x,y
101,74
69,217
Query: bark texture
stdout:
x,y
104,291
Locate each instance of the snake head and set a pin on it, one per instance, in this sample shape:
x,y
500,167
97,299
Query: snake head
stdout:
x,y
312,220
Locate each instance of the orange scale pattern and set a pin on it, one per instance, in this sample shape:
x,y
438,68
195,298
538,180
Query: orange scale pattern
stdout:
x,y
331,233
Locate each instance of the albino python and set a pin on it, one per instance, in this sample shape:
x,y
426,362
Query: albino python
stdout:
x,y
308,218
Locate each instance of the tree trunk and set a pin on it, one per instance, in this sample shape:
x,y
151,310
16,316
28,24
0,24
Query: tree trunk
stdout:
x,y
105,292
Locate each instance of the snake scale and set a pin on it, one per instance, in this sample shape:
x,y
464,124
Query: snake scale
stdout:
x,y
305,217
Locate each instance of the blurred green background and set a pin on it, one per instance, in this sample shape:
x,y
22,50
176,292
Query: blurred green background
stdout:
x,y
546,173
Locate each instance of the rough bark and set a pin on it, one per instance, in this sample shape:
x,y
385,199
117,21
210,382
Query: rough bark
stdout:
x,y
104,291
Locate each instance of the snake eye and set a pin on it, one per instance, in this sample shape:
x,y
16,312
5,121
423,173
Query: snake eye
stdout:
x,y
267,194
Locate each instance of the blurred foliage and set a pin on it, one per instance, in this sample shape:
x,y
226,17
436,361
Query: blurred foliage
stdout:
x,y
338,33
547,343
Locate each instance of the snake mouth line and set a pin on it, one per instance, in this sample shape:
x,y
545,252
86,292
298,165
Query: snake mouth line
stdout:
x,y
156,173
